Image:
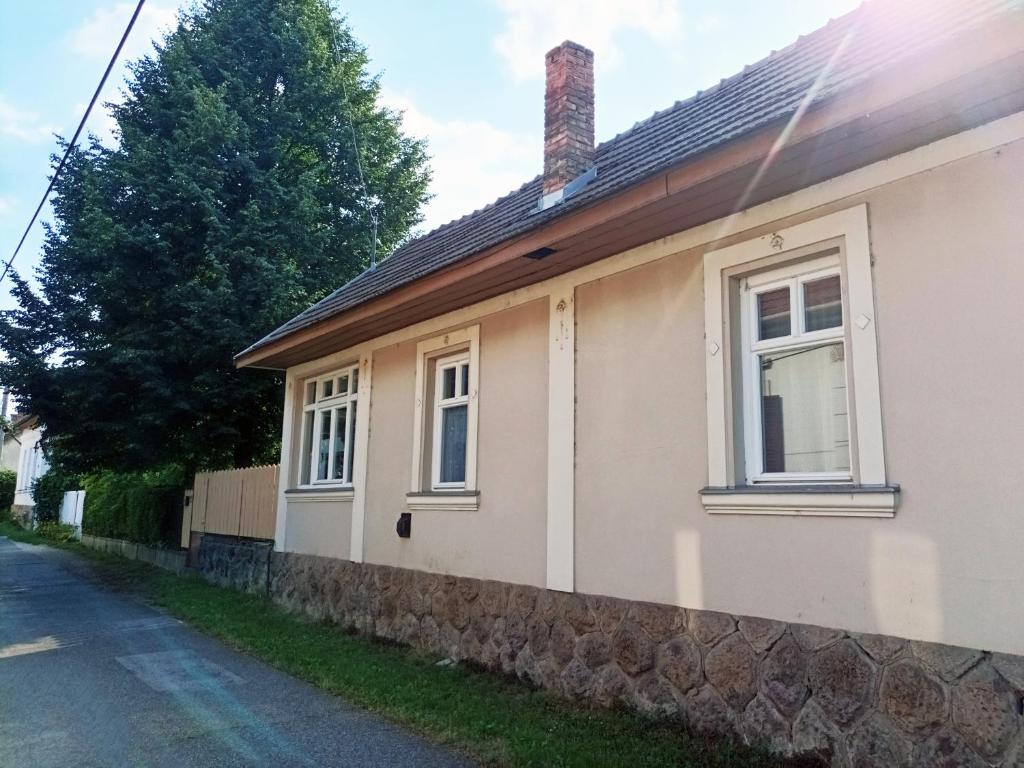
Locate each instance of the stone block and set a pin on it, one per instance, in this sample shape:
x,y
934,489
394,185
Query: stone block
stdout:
x,y
653,696
813,638
841,680
915,700
563,641
706,712
985,712
761,633
947,661
678,661
815,735
876,742
608,612
1011,667
946,749
633,649
710,626
731,667
611,686
661,622
576,680
522,599
881,648
594,649
784,676
761,725
538,634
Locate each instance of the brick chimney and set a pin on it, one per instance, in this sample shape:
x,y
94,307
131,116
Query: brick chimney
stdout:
x,y
568,115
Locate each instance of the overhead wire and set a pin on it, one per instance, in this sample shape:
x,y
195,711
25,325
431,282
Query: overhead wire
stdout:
x,y
74,139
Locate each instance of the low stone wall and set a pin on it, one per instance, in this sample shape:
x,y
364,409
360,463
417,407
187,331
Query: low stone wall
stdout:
x,y
855,700
22,514
241,564
168,559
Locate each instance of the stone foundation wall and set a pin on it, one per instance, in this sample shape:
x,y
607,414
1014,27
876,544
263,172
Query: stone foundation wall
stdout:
x,y
854,699
241,564
22,514
168,559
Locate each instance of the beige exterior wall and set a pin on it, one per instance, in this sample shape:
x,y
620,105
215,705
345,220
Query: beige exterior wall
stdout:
x,y
505,538
946,241
319,527
947,247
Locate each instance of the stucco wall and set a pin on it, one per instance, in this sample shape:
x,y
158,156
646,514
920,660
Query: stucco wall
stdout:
x,y
321,528
505,538
32,465
947,248
11,454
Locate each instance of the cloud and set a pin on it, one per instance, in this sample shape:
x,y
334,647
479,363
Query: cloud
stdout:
x,y
473,162
97,36
23,124
101,124
533,27
7,206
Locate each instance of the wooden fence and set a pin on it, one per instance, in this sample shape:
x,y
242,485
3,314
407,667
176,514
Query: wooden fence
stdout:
x,y
232,502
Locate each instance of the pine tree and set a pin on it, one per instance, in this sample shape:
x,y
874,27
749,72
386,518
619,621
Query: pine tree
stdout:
x,y
234,199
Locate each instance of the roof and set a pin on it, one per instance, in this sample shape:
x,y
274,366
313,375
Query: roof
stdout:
x,y
821,66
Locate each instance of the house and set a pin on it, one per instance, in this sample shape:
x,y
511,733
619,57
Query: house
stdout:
x,y
31,464
701,420
10,445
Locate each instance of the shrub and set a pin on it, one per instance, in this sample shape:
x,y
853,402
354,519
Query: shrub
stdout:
x,y
8,479
56,531
48,493
144,507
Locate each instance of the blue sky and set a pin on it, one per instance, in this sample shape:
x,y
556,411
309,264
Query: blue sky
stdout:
x,y
468,75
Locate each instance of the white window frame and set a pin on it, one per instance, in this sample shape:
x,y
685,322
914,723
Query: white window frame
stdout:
x,y
441,404
457,344
320,405
867,493
793,277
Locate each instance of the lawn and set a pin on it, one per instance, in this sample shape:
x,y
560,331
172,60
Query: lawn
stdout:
x,y
496,720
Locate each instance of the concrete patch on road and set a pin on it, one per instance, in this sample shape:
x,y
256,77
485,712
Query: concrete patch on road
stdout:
x,y
171,671
146,624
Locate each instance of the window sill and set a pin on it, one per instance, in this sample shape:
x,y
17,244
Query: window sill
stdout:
x,y
320,494
457,501
803,500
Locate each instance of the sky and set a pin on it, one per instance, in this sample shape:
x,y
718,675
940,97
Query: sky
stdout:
x,y
467,75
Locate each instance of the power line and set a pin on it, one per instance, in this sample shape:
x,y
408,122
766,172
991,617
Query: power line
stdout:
x,y
355,148
74,139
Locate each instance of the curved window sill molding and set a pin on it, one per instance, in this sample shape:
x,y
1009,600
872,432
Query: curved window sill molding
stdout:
x,y
458,501
803,500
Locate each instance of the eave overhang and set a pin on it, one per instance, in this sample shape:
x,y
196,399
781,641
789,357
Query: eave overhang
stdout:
x,y
944,93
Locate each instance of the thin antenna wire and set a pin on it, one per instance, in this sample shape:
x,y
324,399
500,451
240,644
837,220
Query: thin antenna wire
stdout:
x,y
355,148
74,139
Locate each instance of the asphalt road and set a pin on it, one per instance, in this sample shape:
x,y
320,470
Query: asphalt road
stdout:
x,y
94,677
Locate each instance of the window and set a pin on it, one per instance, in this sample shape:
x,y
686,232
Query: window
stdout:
x,y
451,411
793,408
329,410
796,413
445,422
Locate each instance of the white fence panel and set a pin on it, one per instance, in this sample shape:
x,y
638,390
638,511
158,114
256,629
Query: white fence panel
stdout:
x,y
71,507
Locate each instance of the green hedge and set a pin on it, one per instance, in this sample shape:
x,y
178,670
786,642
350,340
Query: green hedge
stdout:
x,y
8,479
48,494
144,507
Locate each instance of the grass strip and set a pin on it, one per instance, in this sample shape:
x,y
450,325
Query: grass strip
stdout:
x,y
494,719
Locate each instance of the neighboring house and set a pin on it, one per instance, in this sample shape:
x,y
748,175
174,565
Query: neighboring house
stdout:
x,y
10,447
31,465
712,396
